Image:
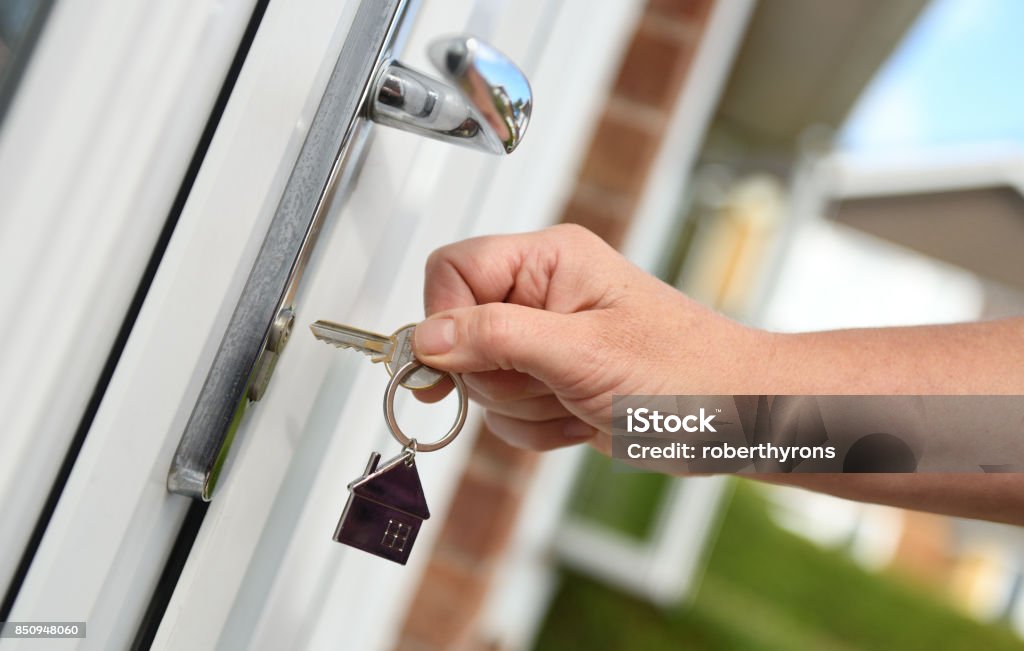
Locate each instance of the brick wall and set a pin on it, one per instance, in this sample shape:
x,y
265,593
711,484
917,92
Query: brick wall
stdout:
x,y
444,612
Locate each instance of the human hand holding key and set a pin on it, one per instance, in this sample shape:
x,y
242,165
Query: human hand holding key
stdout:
x,y
545,327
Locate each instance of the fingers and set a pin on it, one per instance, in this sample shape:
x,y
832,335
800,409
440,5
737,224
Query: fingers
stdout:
x,y
562,268
536,409
505,385
543,435
557,349
435,393
602,443
493,385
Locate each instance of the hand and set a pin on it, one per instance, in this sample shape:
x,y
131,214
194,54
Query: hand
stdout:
x,y
545,327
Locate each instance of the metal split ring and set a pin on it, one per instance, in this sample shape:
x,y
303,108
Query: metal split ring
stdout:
x,y
396,431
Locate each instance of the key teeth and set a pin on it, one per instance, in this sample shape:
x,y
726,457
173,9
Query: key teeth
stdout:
x,y
375,357
332,342
326,340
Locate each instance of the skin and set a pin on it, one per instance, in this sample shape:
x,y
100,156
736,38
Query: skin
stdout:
x,y
545,327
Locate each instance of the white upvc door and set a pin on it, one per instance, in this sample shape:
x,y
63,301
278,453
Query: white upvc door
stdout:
x,y
262,571
92,152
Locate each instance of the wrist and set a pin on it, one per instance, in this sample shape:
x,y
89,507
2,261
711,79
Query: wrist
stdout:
x,y
768,367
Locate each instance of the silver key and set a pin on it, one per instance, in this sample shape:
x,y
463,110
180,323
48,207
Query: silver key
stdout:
x,y
395,351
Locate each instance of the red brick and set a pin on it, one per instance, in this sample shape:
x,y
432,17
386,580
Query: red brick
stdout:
x,y
482,645
501,459
620,156
606,220
690,11
441,616
483,513
652,70
410,643
639,115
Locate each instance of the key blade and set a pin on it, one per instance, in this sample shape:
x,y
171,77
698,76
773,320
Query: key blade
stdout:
x,y
378,347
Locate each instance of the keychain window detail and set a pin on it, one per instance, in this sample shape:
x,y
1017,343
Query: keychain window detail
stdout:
x,y
396,535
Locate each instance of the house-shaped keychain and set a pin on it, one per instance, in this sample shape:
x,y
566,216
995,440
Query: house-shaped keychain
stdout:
x,y
385,509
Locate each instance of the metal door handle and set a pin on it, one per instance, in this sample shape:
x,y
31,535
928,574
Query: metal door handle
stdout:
x,y
485,104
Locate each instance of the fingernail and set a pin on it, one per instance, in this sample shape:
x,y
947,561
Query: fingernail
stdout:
x,y
435,336
577,429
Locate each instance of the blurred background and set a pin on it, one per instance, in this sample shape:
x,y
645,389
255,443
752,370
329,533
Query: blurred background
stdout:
x,y
862,166
798,165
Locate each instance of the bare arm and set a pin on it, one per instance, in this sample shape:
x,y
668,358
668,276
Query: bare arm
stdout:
x,y
973,358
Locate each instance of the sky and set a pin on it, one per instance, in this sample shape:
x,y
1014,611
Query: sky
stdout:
x,y
956,78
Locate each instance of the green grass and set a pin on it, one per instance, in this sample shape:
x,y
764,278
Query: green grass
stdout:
x,y
767,589
626,501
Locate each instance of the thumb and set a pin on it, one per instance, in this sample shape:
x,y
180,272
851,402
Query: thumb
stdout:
x,y
504,336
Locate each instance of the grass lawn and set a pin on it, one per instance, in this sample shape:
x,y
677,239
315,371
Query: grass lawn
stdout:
x,y
767,589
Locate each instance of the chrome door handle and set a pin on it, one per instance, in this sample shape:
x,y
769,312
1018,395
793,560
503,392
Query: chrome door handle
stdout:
x,y
485,102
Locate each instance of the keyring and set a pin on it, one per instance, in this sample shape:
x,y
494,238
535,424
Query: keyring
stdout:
x,y
396,431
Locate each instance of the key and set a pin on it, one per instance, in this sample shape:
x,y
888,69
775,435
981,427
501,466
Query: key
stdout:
x,y
395,351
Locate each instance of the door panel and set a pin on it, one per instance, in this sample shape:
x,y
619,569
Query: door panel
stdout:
x,y
115,523
93,151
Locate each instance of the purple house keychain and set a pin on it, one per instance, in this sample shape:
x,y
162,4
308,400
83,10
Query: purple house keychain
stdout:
x,y
386,505
385,509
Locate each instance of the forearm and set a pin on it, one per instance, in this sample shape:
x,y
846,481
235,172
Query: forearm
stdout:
x,y
974,358
978,358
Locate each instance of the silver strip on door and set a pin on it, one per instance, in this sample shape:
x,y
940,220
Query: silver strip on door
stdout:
x,y
260,324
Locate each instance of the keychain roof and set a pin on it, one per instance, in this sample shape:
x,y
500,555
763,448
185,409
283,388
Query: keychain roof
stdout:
x,y
395,484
